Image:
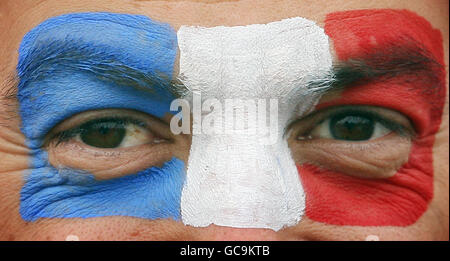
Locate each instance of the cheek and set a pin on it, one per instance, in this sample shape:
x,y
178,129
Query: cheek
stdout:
x,y
49,192
339,199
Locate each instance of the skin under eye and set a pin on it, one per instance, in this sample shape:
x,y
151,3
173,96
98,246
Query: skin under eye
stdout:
x,y
114,142
361,141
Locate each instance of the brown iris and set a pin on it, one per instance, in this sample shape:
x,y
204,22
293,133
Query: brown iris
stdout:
x,y
351,127
106,133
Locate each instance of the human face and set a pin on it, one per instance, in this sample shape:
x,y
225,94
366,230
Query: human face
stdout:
x,y
397,189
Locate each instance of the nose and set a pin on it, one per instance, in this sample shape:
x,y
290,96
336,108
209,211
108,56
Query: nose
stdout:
x,y
222,233
233,180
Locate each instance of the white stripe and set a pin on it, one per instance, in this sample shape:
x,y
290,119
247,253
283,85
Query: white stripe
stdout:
x,y
233,179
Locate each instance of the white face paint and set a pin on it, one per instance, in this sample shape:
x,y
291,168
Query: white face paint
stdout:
x,y
234,179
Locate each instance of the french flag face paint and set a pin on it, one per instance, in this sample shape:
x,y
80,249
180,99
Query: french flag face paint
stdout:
x,y
95,61
232,180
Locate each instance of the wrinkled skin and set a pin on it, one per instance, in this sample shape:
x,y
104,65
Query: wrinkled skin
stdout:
x,y
18,17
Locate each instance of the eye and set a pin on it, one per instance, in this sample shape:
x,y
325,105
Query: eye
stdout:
x,y
114,142
350,127
103,134
361,141
352,123
112,133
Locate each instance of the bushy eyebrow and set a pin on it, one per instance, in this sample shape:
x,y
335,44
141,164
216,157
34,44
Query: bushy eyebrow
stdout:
x,y
70,57
405,58
381,64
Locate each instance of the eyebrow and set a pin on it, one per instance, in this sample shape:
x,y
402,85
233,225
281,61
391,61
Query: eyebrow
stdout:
x,y
55,56
409,58
66,56
92,61
58,56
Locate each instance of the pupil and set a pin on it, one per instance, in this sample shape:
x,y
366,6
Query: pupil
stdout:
x,y
104,134
103,130
351,127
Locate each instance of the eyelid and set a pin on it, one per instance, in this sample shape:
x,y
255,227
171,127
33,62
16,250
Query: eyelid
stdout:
x,y
63,136
128,116
390,119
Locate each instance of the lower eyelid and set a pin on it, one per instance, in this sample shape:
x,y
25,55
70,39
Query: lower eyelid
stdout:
x,y
379,158
109,163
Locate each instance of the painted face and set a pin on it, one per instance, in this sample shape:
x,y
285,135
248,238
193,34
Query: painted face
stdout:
x,y
82,63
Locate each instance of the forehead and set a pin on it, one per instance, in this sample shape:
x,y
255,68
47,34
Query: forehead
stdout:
x,y
279,56
134,40
19,21
253,52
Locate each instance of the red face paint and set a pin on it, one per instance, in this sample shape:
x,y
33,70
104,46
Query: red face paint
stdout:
x,y
336,198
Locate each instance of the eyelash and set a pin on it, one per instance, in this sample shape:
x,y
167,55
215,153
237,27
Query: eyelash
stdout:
x,y
389,124
66,135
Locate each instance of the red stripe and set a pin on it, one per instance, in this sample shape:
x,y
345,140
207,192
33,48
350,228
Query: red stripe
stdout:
x,y
336,198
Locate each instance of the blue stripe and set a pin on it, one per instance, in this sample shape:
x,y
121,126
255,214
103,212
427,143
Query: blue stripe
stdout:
x,y
77,62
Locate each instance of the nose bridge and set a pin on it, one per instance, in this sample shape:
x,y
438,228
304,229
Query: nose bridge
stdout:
x,y
234,180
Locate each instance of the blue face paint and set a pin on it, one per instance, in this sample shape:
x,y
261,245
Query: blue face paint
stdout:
x,y
152,193
78,62
86,61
